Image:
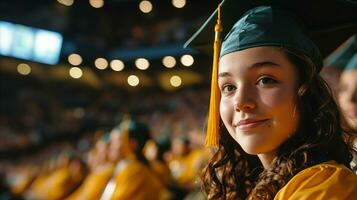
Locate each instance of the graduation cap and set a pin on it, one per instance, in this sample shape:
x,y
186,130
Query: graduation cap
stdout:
x,y
297,24
341,57
329,22
352,64
135,130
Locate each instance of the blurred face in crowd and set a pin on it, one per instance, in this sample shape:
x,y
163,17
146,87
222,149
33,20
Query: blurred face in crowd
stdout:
x,y
258,89
102,151
116,147
179,147
77,168
348,96
150,150
92,159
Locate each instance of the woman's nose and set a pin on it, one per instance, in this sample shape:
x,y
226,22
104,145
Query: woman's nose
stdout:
x,y
244,100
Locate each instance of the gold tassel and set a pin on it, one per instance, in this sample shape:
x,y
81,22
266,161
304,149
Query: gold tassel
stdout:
x,y
212,137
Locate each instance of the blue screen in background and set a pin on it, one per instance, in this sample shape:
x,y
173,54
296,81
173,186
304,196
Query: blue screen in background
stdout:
x,y
30,43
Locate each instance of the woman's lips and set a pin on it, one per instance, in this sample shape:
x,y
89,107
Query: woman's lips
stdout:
x,y
248,124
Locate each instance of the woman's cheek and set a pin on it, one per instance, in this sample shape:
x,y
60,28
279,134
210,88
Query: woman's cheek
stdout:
x,y
276,97
226,111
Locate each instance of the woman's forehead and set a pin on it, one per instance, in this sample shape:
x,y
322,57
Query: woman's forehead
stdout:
x,y
349,77
255,57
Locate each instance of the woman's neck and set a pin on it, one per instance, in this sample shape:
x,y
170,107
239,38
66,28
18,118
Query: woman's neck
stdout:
x,y
267,158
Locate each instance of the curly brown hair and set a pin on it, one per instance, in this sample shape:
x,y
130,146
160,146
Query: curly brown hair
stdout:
x,y
233,174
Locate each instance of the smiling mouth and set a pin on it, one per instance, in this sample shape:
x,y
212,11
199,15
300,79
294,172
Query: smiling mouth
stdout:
x,y
247,125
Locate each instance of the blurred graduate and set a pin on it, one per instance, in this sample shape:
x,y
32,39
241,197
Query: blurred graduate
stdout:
x,y
133,177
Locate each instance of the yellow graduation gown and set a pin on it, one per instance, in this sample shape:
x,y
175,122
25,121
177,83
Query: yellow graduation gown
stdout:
x,y
137,182
329,180
21,182
186,169
162,171
37,186
55,185
94,184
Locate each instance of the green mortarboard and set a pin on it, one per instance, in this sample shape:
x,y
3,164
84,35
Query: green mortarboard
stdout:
x,y
352,64
135,129
328,24
269,26
164,142
343,54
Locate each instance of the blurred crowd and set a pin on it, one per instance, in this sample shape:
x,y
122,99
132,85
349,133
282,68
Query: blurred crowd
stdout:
x,y
122,163
63,141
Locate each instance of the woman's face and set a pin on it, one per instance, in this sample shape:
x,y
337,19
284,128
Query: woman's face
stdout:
x,y
116,146
348,96
258,89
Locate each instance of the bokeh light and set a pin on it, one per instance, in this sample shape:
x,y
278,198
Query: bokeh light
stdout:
x,y
96,3
179,3
75,72
75,59
145,6
66,2
187,60
101,63
24,69
117,65
169,61
133,80
175,81
142,63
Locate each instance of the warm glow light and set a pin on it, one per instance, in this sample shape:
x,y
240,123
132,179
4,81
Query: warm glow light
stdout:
x,y
133,80
179,3
175,81
75,59
23,69
96,3
145,6
75,72
187,60
169,61
101,63
117,65
142,63
66,2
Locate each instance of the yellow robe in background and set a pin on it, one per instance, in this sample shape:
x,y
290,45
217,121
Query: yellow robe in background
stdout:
x,y
326,181
137,182
187,169
37,185
94,184
162,171
56,185
22,181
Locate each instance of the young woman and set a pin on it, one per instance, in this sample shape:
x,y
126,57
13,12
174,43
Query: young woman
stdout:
x,y
279,134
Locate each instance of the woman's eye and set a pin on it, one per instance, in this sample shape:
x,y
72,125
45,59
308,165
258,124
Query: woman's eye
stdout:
x,y
227,88
266,80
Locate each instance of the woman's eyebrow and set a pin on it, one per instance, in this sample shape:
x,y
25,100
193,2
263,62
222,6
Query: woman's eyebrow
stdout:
x,y
254,66
224,74
263,64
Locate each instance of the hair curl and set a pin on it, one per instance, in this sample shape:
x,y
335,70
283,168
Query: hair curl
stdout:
x,y
233,174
